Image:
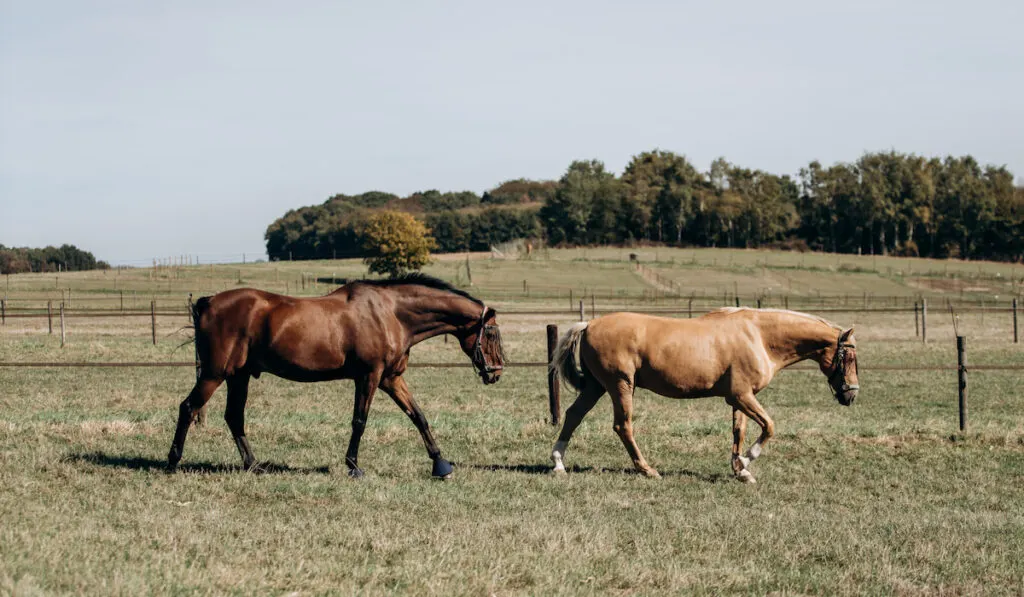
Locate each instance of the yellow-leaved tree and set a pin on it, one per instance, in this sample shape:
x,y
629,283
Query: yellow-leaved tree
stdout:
x,y
396,243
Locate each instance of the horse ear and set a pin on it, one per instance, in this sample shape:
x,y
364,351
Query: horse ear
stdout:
x,y
846,335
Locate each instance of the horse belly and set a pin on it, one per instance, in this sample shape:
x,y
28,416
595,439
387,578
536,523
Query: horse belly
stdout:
x,y
316,357
677,383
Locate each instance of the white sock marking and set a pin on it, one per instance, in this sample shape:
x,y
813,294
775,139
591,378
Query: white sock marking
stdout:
x,y
557,453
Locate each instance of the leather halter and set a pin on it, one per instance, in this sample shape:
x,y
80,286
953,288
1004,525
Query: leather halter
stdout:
x,y
839,368
479,358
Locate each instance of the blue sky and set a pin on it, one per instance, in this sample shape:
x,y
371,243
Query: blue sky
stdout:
x,y
148,129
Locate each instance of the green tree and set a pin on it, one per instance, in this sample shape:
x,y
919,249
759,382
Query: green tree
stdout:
x,y
395,243
583,208
662,185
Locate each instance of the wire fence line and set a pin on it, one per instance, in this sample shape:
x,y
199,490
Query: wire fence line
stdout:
x,y
41,312
429,365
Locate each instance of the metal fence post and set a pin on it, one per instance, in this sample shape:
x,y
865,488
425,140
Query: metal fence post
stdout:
x,y
961,358
1016,335
924,320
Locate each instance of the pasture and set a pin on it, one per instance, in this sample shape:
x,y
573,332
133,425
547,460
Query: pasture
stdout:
x,y
884,497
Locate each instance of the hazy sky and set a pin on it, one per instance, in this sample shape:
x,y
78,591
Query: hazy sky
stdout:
x,y
146,129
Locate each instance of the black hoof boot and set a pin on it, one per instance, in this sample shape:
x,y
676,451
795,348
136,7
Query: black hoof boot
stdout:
x,y
355,473
442,468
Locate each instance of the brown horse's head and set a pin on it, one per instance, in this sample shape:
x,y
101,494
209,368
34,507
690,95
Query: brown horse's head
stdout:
x,y
841,368
482,344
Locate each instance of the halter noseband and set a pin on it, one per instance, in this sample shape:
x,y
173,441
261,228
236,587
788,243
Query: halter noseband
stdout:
x,y
479,358
839,368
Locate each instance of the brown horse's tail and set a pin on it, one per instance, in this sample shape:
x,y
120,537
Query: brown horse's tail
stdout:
x,y
202,342
563,361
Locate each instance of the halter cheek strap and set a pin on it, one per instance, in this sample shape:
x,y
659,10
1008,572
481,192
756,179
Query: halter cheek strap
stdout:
x,y
479,352
480,334
839,367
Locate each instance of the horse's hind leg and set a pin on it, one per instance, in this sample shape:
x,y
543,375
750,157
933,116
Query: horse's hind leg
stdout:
x,y
591,393
622,402
234,415
739,430
196,399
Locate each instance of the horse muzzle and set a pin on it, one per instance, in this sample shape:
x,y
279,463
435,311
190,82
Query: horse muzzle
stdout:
x,y
847,395
490,377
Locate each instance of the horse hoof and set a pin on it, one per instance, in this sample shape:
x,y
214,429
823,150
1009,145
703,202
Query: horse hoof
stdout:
x,y
442,469
559,470
171,469
355,473
745,477
652,474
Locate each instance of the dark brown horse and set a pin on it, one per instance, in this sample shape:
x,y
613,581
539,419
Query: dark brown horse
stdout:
x,y
362,331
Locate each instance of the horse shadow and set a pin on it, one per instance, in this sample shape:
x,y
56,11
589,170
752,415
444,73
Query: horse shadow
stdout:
x,y
546,469
142,463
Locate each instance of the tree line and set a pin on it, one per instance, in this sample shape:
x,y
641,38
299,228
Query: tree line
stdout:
x,y
884,203
16,260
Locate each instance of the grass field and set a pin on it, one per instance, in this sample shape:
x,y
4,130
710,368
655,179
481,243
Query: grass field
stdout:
x,y
884,497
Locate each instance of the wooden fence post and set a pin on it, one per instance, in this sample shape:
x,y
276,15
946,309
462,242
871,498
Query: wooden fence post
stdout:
x,y
49,315
62,324
961,358
593,307
3,311
122,299
917,323
152,316
924,320
581,310
554,400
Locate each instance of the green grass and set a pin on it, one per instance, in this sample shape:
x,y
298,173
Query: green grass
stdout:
x,y
884,497
550,275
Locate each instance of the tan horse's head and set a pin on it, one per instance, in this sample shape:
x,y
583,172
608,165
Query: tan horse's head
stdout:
x,y
483,345
840,365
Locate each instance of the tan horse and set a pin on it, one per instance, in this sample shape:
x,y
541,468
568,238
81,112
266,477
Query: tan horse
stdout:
x,y
733,352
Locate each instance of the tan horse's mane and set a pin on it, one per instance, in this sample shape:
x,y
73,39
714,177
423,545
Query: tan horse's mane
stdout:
x,y
786,311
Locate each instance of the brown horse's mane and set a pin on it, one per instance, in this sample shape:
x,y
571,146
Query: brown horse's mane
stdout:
x,y
418,279
787,311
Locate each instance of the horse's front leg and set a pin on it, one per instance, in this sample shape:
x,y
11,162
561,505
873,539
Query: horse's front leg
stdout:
x,y
365,389
748,405
399,392
739,430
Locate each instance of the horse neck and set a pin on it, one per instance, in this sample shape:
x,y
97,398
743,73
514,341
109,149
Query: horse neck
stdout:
x,y
436,312
795,339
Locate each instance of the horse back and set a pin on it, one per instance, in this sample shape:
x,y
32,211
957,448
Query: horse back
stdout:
x,y
302,339
679,358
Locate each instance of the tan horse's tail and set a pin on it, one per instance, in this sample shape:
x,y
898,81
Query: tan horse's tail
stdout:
x,y
563,362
